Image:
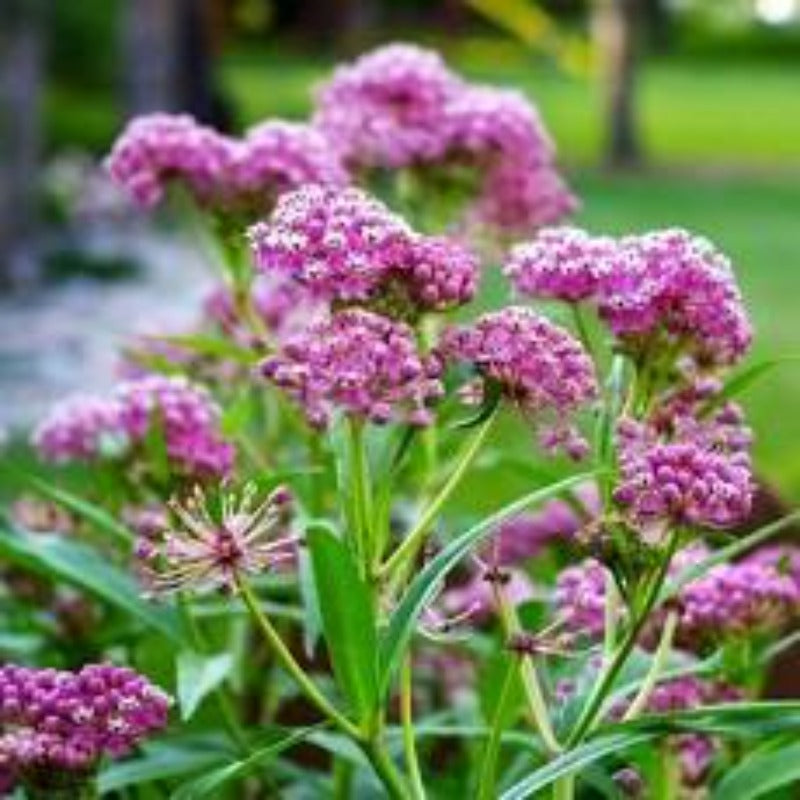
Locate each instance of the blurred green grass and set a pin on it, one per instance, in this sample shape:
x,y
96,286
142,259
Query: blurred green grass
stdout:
x,y
706,113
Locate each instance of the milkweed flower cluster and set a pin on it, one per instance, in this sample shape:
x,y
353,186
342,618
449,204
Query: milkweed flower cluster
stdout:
x,y
666,283
204,549
56,726
361,362
222,173
385,109
400,106
759,594
538,366
79,428
184,412
344,245
699,474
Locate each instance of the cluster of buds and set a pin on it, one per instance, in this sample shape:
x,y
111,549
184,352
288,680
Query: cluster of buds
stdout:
x,y
56,726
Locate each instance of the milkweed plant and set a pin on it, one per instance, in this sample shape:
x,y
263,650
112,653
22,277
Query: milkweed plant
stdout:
x,y
364,533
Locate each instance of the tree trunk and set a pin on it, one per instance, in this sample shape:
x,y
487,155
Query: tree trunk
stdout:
x,y
20,139
615,26
149,37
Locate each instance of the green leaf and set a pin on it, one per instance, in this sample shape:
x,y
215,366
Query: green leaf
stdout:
x,y
577,759
743,380
760,773
93,514
735,719
692,573
348,620
212,347
59,559
197,676
424,587
158,762
209,785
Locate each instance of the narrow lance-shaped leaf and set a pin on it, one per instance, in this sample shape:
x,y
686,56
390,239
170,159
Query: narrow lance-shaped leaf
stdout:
x,y
210,784
761,773
95,515
424,587
60,560
348,620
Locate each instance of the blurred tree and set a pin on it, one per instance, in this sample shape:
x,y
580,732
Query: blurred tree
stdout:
x,y
169,59
615,28
21,51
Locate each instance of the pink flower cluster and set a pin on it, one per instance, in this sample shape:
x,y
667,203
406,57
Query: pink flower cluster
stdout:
x,y
400,106
537,365
759,593
57,726
385,109
665,283
580,596
697,474
77,429
343,245
157,149
364,363
233,175
188,417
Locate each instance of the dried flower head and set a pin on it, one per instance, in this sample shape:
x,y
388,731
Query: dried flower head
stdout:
x,y
208,548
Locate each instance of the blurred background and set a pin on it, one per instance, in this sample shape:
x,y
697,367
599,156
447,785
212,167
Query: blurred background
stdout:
x,y
666,112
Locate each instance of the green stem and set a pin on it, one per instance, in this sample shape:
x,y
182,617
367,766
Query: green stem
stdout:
x,y
221,695
656,668
359,467
564,788
604,685
386,770
486,783
530,679
287,661
342,778
413,541
406,718
611,611
582,330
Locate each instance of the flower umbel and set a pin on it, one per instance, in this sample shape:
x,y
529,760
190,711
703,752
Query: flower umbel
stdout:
x,y
55,726
209,548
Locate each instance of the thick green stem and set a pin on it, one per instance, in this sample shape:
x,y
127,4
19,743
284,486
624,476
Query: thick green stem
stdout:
x,y
656,668
407,721
410,546
284,656
530,679
594,705
223,699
